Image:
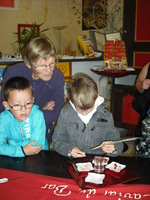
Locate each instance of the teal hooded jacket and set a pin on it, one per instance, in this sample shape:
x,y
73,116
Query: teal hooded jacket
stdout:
x,y
18,134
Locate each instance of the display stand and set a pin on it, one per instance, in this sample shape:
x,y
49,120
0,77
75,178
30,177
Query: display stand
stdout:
x,y
114,74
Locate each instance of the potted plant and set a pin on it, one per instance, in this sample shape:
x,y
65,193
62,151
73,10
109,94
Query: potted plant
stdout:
x,y
26,32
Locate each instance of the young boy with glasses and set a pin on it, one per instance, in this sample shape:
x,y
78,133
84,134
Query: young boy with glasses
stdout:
x,y
84,123
22,124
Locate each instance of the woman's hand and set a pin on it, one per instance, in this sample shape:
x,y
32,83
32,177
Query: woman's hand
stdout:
x,y
146,84
107,147
49,106
142,83
76,153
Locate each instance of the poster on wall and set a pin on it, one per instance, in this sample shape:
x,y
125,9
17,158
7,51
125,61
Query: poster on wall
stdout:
x,y
93,14
141,54
8,5
142,27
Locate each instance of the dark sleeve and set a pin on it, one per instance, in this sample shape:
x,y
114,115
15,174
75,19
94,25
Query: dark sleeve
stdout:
x,y
60,137
58,97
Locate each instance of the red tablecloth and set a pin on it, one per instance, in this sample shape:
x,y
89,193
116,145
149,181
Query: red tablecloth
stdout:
x,y
28,186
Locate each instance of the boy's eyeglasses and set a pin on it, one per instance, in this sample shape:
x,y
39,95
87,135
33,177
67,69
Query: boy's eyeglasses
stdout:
x,y
19,107
42,67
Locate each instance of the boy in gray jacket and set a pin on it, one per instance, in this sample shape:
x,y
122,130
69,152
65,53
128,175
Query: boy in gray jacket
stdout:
x,y
85,123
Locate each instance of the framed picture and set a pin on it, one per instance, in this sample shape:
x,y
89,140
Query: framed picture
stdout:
x,y
8,5
113,36
25,30
93,14
98,40
65,68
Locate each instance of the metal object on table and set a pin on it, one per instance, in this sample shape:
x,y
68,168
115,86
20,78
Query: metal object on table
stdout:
x,y
118,141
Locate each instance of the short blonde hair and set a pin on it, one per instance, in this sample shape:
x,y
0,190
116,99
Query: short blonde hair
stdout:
x,y
39,47
82,91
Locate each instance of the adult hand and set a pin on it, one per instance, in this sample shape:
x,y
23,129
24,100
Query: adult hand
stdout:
x,y
146,84
29,149
107,147
142,83
49,106
77,153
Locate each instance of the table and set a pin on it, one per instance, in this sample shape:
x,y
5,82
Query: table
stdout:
x,y
114,73
45,176
52,164
118,92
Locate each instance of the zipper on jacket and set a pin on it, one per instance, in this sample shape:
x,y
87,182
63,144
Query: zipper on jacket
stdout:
x,y
21,130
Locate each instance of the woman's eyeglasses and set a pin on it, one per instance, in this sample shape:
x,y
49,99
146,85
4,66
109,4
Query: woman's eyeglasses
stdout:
x,y
42,67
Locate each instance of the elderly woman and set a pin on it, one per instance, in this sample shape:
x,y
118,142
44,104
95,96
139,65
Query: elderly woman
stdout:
x,y
47,81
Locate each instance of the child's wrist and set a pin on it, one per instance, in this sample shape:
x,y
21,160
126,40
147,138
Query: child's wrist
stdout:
x,y
23,151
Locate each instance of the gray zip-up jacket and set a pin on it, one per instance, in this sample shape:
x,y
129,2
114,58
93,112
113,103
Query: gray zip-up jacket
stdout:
x,y
70,131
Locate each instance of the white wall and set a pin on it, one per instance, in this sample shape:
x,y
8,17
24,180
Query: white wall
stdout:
x,y
51,13
84,67
126,80
102,81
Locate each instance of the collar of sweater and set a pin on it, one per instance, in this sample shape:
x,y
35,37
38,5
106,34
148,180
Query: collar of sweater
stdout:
x,y
86,118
